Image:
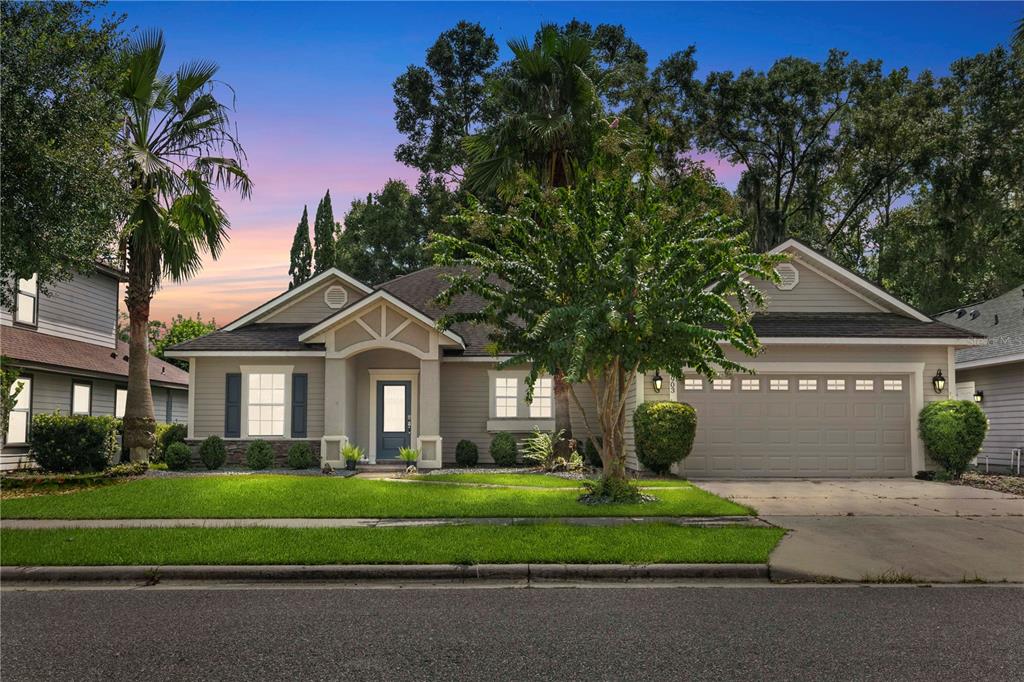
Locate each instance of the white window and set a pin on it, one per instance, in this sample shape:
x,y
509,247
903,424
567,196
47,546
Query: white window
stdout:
x,y
28,296
543,397
892,384
506,396
865,385
120,401
750,384
808,385
17,424
693,384
266,404
81,398
721,384
778,384
836,384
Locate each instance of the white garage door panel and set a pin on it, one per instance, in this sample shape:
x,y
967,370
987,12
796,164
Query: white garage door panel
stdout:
x,y
750,433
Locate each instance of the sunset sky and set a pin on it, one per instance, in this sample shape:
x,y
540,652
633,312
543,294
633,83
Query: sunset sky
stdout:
x,y
313,84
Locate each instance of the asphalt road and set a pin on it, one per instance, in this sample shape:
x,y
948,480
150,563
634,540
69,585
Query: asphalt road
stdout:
x,y
664,633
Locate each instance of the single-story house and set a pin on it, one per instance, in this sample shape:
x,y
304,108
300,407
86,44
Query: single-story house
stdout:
x,y
837,391
993,374
64,345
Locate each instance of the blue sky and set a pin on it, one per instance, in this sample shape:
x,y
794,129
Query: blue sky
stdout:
x,y
313,84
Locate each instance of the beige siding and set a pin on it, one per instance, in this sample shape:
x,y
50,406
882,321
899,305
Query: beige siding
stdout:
x,y
311,307
82,309
209,390
1004,404
813,293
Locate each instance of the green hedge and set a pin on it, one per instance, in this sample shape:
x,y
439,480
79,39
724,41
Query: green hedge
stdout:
x,y
178,456
953,431
503,449
166,434
212,452
664,434
64,443
300,456
259,455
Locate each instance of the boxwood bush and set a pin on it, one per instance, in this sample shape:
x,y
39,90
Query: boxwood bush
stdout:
x,y
259,455
466,453
952,431
178,456
63,443
664,434
212,453
503,449
300,456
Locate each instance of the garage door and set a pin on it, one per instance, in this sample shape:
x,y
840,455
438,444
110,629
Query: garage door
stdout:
x,y
800,425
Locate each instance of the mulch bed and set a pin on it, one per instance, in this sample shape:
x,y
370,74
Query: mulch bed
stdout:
x,y
1003,483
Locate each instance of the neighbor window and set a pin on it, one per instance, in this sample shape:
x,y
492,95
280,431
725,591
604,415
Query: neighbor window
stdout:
x,y
778,384
836,384
892,385
266,404
28,297
81,398
693,384
865,385
808,385
20,416
506,396
721,384
543,396
750,384
120,401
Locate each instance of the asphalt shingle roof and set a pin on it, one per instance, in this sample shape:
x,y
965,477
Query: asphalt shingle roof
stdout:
x,y
258,336
1001,319
853,325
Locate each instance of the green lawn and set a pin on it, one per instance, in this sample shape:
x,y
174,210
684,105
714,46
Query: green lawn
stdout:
x,y
268,496
633,544
537,480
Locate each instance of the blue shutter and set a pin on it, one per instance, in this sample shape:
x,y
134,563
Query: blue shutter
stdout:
x,y
233,406
300,385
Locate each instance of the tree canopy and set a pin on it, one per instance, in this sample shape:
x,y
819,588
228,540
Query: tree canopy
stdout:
x,y
325,234
300,266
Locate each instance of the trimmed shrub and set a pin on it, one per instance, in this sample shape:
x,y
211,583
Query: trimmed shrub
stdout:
x,y
466,453
503,449
664,433
178,456
64,443
212,452
259,455
953,431
300,456
164,435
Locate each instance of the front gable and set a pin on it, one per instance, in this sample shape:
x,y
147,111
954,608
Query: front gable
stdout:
x,y
309,303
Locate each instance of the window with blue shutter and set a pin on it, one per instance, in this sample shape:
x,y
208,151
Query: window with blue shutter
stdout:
x,y
300,389
233,406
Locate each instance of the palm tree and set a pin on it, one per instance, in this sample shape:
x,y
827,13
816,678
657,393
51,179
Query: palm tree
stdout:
x,y
181,148
1018,36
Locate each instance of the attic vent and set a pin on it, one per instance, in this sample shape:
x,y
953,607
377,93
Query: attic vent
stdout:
x,y
335,297
975,314
960,313
789,276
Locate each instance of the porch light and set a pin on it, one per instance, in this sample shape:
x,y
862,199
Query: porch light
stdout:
x,y
656,380
938,381
979,396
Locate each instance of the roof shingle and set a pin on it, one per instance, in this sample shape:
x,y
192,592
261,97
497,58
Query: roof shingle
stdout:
x,y
1000,318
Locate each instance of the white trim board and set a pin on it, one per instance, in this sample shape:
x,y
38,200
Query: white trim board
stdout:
x,y
186,354
291,294
864,341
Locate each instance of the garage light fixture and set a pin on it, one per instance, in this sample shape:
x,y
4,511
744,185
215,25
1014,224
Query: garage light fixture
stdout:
x,y
938,381
979,396
656,380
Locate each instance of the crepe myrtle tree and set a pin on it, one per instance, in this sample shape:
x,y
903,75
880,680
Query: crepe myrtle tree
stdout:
x,y
619,274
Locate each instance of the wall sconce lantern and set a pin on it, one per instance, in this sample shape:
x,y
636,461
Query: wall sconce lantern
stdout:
x,y
938,381
979,396
656,380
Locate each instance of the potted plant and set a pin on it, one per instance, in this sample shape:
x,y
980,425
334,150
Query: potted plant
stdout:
x,y
351,454
409,456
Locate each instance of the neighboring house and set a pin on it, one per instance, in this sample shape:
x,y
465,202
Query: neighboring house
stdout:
x,y
993,374
65,344
846,370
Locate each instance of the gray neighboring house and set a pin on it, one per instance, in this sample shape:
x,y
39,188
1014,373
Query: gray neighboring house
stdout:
x,y
845,371
64,342
993,374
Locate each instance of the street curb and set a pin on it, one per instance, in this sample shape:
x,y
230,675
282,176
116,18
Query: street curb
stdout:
x,y
416,572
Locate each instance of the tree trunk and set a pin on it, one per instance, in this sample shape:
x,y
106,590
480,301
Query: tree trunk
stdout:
x,y
611,405
139,419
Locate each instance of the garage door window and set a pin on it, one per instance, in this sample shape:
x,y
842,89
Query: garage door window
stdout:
x,y
865,384
836,384
808,385
779,384
892,385
750,385
693,384
722,384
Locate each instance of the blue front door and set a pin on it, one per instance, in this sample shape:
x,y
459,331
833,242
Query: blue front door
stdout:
x,y
394,417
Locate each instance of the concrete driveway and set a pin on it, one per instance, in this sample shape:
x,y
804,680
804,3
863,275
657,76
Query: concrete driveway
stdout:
x,y
887,529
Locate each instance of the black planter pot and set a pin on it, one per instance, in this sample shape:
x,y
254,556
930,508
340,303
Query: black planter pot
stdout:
x,y
350,464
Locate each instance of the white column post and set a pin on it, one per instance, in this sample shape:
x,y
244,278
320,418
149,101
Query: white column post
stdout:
x,y
429,441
